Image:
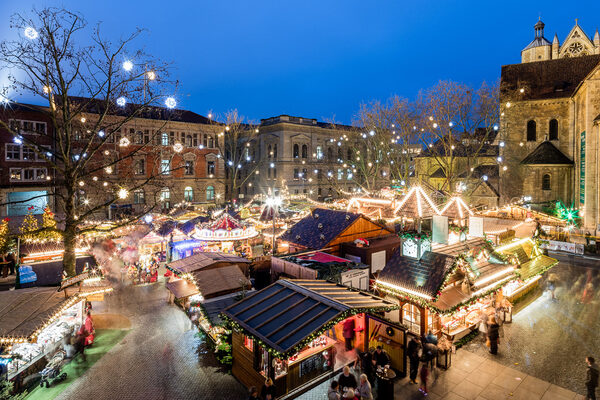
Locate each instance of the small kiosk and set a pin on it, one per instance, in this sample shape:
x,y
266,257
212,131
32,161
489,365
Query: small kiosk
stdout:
x,y
291,331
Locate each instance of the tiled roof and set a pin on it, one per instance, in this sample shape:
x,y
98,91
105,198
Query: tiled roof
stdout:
x,y
546,153
285,314
546,79
319,228
425,275
537,42
218,281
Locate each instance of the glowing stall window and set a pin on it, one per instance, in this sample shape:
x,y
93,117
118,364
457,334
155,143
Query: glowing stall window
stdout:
x,y
411,317
248,343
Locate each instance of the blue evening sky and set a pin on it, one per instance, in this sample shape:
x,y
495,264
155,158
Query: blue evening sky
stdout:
x,y
321,59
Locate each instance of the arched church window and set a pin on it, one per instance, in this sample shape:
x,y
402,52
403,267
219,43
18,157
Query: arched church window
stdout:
x,y
546,183
531,131
553,129
296,151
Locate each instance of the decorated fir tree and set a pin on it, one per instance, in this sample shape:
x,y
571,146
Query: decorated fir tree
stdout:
x,y
4,236
30,224
48,221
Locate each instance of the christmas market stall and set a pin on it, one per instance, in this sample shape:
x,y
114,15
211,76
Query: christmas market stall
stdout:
x,y
375,252
450,289
325,229
34,322
227,235
291,331
319,265
457,211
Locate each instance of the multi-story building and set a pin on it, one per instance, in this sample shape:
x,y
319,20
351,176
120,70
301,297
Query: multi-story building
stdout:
x,y
178,145
25,178
304,156
550,123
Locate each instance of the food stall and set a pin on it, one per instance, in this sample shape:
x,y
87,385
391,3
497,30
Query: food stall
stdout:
x,y
448,290
291,331
34,321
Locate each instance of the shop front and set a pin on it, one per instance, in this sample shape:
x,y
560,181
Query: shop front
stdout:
x,y
295,332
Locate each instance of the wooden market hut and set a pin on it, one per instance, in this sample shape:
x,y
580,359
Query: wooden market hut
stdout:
x,y
441,282
289,331
416,204
456,209
328,229
208,260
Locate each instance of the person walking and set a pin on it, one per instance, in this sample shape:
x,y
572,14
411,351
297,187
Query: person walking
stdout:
x,y
493,334
253,393
424,376
364,388
334,391
348,333
591,380
413,357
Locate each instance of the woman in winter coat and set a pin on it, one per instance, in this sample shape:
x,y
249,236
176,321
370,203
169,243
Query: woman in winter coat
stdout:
x,y
493,334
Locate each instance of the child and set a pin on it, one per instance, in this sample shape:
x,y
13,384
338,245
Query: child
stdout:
x,y
424,376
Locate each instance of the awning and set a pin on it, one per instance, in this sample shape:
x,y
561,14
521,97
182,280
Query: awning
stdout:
x,y
536,266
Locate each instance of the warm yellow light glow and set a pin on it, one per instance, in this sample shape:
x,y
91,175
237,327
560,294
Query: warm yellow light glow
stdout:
x,y
123,193
492,277
401,289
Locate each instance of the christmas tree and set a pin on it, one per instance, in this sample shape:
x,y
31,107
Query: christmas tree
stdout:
x,y
30,224
48,221
4,239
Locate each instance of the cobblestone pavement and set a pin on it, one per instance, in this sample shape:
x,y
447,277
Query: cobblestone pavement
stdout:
x,y
471,377
550,339
159,359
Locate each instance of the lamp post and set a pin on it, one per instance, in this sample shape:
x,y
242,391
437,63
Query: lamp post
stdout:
x,y
273,203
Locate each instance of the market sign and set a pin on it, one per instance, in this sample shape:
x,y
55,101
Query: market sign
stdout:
x,y
582,170
73,280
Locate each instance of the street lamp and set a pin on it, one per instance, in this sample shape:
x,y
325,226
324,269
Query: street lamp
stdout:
x,y
273,203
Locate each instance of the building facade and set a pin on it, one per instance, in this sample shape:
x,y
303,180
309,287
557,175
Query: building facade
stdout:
x,y
180,146
550,120
301,156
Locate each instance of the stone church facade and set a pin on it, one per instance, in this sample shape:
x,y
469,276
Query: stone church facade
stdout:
x,y
550,123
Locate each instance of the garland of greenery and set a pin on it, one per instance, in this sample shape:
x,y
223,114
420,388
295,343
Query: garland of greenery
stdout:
x,y
233,325
458,229
415,235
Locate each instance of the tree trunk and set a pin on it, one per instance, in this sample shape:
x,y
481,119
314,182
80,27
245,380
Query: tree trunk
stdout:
x,y
70,242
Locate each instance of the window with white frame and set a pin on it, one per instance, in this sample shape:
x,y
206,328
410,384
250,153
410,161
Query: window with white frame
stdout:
x,y
140,167
15,152
28,127
28,174
188,194
165,166
164,139
319,153
189,167
210,193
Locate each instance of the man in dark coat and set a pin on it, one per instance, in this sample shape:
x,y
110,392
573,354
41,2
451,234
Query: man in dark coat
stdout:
x,y
591,380
412,351
380,358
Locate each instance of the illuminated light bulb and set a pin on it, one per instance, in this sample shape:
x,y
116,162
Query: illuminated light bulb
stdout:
x,y
122,193
272,165
48,154
170,102
430,144
108,170
209,115
521,90
508,104
105,184
256,130
124,142
31,33
18,140
485,177
499,159
86,201
501,144
372,133
83,120
151,75
435,125
452,147
121,101
450,124
521,144
81,183
127,65
95,178
46,89
178,147
227,128
101,133
504,168
48,178
201,146
106,152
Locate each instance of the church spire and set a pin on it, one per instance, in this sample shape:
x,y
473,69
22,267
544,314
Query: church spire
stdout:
x,y
539,28
597,38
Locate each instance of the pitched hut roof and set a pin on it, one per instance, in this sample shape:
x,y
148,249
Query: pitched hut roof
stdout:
x,y
416,203
456,208
203,260
319,228
286,314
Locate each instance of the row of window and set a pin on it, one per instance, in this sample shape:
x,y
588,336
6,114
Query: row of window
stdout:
x,y
303,174
28,174
27,127
165,167
16,152
298,151
139,196
532,130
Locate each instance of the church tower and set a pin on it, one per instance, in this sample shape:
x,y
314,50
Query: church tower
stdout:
x,y
540,49
555,47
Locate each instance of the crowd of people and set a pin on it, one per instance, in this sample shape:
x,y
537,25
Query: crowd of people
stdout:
x,y
143,272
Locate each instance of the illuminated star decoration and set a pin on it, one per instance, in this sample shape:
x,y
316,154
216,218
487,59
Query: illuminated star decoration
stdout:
x,y
569,214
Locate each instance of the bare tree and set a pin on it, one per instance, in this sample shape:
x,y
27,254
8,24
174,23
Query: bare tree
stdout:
x,y
458,123
387,141
91,88
237,145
